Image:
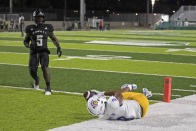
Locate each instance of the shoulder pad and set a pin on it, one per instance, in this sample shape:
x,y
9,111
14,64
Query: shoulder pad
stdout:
x,y
50,27
29,28
113,102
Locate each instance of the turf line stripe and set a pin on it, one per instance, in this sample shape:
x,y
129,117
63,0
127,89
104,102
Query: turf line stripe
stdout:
x,y
184,90
161,94
24,88
105,71
65,92
25,53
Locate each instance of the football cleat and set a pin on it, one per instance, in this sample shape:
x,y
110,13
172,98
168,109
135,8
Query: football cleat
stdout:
x,y
147,93
47,93
131,86
36,87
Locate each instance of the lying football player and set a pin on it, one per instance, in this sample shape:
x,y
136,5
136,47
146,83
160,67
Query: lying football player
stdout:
x,y
121,105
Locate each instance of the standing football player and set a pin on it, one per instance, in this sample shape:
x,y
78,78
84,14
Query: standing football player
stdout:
x,y
121,105
21,24
36,39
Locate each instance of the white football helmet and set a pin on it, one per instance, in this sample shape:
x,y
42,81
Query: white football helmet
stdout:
x,y
96,105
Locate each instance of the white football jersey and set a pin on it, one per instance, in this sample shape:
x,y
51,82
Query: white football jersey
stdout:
x,y
129,110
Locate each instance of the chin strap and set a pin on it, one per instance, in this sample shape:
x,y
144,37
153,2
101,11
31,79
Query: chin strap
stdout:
x,y
88,95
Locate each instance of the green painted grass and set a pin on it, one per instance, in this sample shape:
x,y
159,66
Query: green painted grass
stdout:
x,y
80,80
132,66
134,56
23,110
76,40
31,110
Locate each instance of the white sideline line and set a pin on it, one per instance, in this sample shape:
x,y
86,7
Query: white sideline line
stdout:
x,y
184,90
105,71
161,94
65,92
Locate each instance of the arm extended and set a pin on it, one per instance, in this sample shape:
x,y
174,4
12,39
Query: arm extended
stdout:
x,y
56,43
27,40
117,94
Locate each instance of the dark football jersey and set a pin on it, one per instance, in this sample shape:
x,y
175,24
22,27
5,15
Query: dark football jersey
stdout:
x,y
39,36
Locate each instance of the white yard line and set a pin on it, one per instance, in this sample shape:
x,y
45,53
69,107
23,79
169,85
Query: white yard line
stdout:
x,y
184,90
105,71
161,94
65,92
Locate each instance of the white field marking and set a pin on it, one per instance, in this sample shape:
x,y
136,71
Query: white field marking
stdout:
x,y
11,45
24,53
96,57
105,71
111,57
194,86
134,43
185,49
184,90
114,51
80,57
4,41
65,92
161,94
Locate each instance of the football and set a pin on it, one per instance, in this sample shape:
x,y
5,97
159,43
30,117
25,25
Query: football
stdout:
x,y
88,94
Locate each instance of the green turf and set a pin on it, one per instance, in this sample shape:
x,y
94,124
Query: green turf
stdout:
x,y
134,56
131,66
25,110
80,81
116,48
29,109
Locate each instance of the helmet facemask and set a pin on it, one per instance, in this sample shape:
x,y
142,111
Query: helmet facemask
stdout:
x,y
96,105
39,20
39,17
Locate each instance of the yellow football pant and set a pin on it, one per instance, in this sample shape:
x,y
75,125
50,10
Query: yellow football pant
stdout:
x,y
140,98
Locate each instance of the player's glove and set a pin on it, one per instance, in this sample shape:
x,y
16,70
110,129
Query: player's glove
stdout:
x,y
99,93
26,45
130,86
59,52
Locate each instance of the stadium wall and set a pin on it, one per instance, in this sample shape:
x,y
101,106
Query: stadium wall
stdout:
x,y
61,25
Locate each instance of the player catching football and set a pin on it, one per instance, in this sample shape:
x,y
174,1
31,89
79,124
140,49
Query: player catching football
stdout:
x,y
121,105
36,39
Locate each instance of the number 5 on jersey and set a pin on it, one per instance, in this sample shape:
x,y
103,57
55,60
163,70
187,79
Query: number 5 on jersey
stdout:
x,y
39,40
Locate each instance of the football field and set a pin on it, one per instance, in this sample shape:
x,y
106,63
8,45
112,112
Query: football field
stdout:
x,y
91,60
